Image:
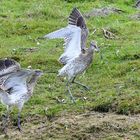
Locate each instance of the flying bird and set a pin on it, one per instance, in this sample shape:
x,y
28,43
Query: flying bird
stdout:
x,y
76,57
16,86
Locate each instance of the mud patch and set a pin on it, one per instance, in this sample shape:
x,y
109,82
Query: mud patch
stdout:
x,y
87,126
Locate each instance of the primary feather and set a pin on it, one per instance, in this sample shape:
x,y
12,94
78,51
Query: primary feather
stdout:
x,y
72,46
76,18
74,35
8,66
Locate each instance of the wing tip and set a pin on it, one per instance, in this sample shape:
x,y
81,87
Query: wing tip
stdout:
x,y
45,36
8,65
7,62
76,18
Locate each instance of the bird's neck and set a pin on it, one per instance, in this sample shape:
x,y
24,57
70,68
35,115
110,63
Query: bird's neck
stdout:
x,y
31,84
90,51
0,95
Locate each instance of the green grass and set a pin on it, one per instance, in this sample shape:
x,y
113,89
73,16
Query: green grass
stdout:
x,y
114,79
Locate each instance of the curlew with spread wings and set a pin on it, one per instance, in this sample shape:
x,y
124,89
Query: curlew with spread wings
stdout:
x,y
74,35
76,57
16,85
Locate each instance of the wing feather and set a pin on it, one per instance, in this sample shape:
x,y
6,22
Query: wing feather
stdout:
x,y
16,78
72,46
62,33
7,66
74,35
76,18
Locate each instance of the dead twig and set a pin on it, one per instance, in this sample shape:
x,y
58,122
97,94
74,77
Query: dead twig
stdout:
x,y
94,31
108,34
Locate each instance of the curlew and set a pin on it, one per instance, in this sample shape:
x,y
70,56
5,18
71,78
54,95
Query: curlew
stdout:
x,y
16,86
74,35
76,57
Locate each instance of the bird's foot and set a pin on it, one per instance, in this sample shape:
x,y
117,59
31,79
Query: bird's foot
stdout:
x,y
71,96
86,87
4,123
80,84
4,130
19,125
19,128
73,100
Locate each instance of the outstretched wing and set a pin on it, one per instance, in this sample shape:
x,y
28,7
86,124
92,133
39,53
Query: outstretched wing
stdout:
x,y
61,33
17,78
7,66
72,37
77,19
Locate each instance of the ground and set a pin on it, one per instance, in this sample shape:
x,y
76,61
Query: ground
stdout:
x,y
85,126
113,77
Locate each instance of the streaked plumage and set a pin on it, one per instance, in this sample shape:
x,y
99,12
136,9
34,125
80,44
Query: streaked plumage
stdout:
x,y
17,84
77,19
7,66
79,64
76,56
74,35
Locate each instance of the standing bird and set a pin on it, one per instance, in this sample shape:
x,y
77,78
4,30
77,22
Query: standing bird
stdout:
x,y
16,86
76,57
78,66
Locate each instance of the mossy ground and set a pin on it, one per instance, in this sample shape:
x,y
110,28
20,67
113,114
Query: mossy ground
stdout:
x,y
114,76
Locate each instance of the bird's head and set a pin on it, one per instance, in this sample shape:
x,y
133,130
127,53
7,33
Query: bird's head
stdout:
x,y
93,45
38,72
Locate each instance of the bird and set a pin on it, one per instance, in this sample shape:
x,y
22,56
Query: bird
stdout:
x,y
74,35
78,66
137,4
16,86
76,57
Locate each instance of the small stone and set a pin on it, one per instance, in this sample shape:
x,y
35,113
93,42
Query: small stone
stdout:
x,y
14,49
29,67
38,43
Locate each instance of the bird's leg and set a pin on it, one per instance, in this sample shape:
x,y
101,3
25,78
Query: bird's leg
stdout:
x,y
20,105
5,120
69,91
86,87
19,125
4,123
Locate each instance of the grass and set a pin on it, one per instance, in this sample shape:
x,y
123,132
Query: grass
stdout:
x,y
114,80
